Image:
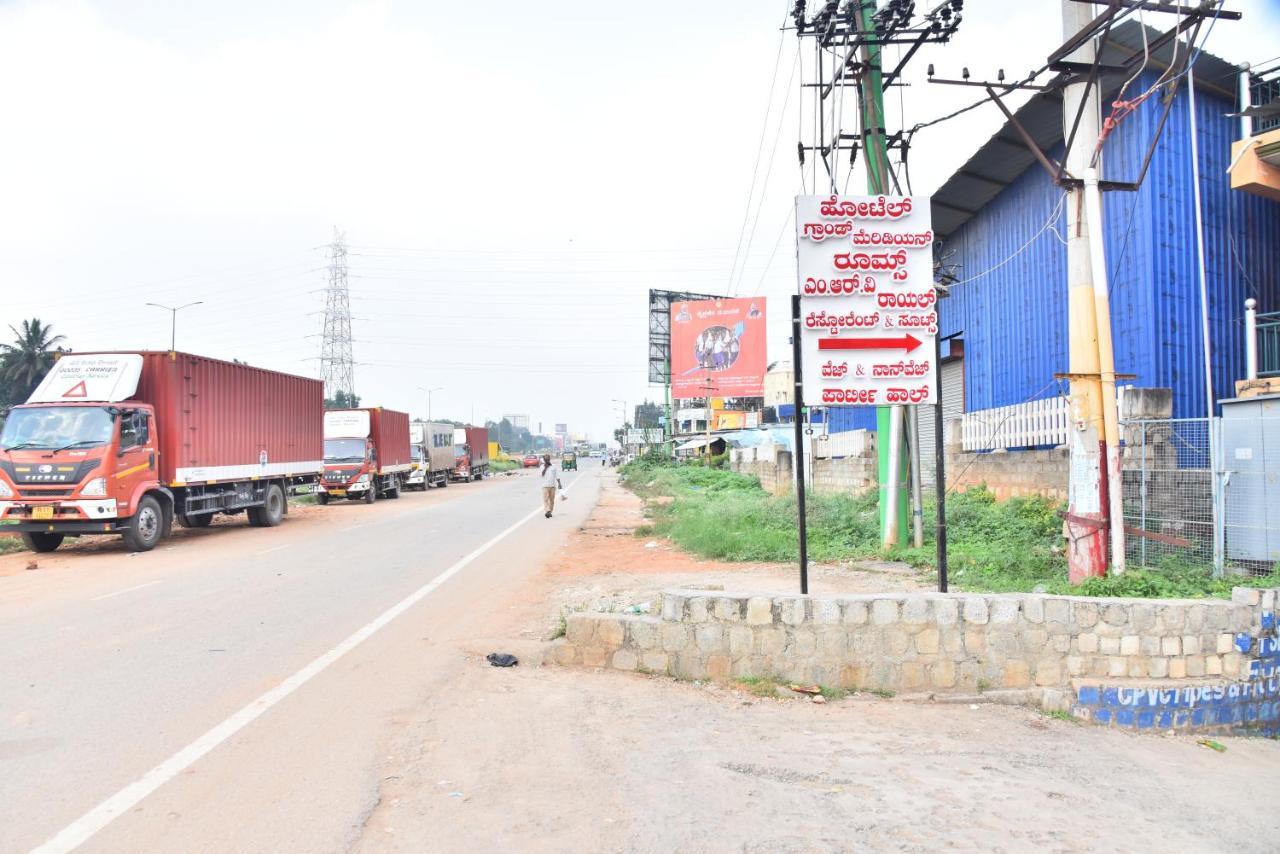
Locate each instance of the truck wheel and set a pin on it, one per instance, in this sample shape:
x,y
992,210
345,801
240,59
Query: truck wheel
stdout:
x,y
393,491
372,494
271,513
147,527
199,520
322,498
42,541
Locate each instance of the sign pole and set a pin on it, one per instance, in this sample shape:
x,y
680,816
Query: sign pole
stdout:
x,y
940,471
797,459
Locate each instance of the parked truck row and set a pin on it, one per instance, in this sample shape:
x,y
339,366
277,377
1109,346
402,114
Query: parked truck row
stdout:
x,y
129,443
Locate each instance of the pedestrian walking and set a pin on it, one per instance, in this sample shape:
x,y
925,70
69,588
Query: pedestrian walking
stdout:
x,y
550,483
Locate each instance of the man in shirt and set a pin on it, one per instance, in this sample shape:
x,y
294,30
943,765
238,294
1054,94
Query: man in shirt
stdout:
x,y
550,483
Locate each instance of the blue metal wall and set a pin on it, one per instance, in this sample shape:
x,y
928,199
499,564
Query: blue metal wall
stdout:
x,y
1013,316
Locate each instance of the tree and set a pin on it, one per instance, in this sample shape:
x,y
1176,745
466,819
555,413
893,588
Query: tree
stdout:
x,y
24,362
342,400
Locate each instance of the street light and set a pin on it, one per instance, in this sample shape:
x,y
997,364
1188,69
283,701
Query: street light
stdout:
x,y
428,391
173,328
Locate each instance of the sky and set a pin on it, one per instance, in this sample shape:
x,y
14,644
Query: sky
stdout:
x,y
510,178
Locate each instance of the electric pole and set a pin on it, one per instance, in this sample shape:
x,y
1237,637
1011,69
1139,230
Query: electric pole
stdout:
x,y
337,366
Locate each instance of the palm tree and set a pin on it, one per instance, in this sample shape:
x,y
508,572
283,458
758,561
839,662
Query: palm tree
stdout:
x,y
28,358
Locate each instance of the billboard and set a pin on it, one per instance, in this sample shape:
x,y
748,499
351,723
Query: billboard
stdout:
x,y
718,348
660,303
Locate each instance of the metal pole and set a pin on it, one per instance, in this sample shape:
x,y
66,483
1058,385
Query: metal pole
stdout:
x,y
1251,339
1206,340
1246,125
1143,492
1107,366
797,459
940,471
173,330
1086,535
917,500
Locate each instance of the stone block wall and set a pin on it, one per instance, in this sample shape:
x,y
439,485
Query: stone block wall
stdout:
x,y
854,475
1010,473
912,642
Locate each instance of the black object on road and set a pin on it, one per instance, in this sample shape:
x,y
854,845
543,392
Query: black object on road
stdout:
x,y
502,659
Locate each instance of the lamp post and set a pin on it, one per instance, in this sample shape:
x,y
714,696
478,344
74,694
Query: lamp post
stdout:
x,y
428,391
173,327
623,403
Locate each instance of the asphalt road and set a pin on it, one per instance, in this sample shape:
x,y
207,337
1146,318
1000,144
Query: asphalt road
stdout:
x,y
230,691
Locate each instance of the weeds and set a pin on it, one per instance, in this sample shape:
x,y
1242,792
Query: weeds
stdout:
x,y
10,544
1061,715
882,693
983,686
1012,546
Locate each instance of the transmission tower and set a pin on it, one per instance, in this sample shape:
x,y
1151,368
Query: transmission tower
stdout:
x,y
337,367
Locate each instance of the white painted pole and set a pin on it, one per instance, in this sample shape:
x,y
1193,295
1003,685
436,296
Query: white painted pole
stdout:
x,y
1251,339
1206,340
1246,124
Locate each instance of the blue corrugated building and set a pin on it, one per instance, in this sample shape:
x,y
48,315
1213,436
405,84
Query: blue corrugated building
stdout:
x,y
998,239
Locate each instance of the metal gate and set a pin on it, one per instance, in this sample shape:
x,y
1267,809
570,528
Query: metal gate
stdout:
x,y
1168,479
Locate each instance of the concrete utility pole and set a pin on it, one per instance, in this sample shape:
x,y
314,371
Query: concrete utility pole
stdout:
x,y
1086,523
889,419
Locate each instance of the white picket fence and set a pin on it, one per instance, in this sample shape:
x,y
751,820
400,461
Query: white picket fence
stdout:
x,y
1036,422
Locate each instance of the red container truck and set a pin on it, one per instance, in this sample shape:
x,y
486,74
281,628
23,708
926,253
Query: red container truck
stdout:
x,y
128,442
366,454
471,453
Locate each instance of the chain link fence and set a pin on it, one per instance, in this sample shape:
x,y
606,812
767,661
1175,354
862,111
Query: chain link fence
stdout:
x,y
1168,491
1170,478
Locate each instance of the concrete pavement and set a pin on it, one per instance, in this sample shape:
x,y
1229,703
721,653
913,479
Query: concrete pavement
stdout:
x,y
113,664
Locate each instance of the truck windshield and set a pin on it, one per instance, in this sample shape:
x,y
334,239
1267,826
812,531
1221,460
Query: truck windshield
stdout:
x,y
49,427
416,450
344,450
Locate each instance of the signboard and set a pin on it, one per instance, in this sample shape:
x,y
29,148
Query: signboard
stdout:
x,y
660,330
346,424
646,436
718,348
81,379
868,308
562,429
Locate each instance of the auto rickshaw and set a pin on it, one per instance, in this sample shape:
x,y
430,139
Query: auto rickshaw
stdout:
x,y
569,462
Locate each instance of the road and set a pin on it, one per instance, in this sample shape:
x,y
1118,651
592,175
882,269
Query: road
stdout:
x,y
232,691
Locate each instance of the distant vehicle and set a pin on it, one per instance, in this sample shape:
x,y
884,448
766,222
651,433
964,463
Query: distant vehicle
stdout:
x,y
531,461
125,443
596,453
471,453
366,454
569,462
433,454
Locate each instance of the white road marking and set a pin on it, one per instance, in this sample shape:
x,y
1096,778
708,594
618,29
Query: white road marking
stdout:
x,y
84,828
126,590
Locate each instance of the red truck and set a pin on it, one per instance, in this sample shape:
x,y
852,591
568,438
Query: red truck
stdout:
x,y
125,443
471,453
366,454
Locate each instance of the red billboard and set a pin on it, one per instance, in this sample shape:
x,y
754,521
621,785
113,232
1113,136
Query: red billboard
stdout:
x,y
718,348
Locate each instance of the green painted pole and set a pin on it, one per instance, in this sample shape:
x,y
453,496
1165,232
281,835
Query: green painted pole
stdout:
x,y
877,158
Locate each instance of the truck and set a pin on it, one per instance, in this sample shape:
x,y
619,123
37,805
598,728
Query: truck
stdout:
x,y
366,454
471,454
129,442
433,454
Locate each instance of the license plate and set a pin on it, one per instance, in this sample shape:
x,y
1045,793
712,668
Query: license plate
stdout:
x,y
42,512
340,493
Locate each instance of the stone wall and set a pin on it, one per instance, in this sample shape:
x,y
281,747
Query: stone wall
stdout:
x,y
1010,473
853,474
914,642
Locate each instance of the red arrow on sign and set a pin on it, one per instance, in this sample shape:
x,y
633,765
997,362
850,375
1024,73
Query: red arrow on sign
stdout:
x,y
907,342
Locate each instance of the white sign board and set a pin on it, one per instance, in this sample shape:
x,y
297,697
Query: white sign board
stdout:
x,y
868,308
346,424
79,379
645,436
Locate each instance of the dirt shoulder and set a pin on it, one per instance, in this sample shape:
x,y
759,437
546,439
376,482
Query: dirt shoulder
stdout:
x,y
549,759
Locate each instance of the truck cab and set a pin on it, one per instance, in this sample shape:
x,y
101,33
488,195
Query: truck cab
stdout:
x,y
80,468
350,469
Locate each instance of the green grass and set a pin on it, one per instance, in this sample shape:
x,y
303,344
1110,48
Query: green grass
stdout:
x,y
993,546
1061,715
10,543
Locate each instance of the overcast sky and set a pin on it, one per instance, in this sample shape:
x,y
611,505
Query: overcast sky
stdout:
x,y
512,177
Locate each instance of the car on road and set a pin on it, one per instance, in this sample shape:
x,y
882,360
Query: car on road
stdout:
x,y
531,461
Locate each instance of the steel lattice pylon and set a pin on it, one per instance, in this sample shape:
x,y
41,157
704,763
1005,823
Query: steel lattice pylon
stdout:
x,y
337,367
